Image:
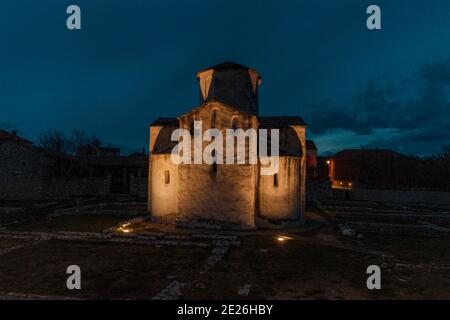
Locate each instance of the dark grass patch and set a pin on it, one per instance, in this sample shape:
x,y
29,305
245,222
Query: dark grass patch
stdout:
x,y
424,250
9,219
126,207
109,271
74,222
291,267
9,243
297,270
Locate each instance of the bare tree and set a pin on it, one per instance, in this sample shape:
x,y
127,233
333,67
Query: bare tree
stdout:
x,y
54,140
80,139
63,148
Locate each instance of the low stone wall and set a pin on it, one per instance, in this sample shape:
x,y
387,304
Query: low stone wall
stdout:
x,y
317,190
73,187
395,196
138,187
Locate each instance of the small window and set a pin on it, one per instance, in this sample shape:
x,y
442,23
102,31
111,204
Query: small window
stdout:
x,y
167,176
275,180
192,128
213,118
234,123
214,164
24,163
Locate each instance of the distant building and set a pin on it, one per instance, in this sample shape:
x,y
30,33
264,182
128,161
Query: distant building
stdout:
x,y
98,151
28,172
352,168
234,195
311,159
123,171
12,136
24,168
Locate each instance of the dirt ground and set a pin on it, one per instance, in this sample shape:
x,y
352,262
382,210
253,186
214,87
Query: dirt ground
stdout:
x,y
313,262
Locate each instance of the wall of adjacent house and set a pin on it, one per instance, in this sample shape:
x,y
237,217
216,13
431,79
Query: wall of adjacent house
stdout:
x,y
23,172
301,135
138,186
24,175
66,187
281,200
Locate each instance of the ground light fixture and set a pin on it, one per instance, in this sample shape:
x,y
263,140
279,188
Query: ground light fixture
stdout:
x,y
125,228
281,238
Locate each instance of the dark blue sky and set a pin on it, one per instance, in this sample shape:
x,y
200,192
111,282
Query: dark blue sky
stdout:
x,y
136,60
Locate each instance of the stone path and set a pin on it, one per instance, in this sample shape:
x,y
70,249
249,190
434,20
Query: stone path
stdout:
x,y
174,290
220,244
7,250
388,219
171,292
102,238
217,255
102,208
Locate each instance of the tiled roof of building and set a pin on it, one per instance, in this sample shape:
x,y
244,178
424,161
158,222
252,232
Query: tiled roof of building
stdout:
x,y
214,101
166,122
227,65
12,136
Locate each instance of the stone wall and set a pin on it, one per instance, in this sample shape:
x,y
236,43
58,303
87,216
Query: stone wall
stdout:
x,y
25,175
318,189
163,197
301,135
138,186
227,195
23,172
281,202
62,187
396,196
322,190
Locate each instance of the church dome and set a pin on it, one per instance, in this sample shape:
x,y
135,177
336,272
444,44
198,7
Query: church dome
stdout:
x,y
230,83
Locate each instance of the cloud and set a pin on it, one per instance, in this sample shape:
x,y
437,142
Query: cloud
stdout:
x,y
416,109
437,73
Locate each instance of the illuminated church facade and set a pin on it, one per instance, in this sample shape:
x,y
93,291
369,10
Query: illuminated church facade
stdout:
x,y
227,195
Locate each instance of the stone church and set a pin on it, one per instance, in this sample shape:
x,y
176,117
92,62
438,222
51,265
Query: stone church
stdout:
x,y
226,195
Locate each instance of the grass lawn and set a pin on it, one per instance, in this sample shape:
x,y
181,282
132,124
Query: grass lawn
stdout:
x,y
298,270
75,222
108,270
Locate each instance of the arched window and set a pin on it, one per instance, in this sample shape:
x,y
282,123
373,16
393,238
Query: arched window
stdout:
x,y
213,118
234,123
